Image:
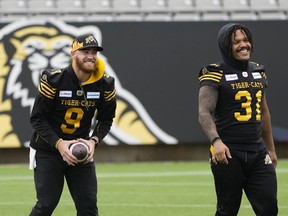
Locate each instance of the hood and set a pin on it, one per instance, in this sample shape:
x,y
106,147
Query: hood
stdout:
x,y
100,70
224,43
98,74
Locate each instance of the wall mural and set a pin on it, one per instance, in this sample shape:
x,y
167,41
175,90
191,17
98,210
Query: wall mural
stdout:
x,y
27,48
155,65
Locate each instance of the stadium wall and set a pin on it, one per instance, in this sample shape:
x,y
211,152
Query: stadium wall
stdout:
x,y
156,66
137,153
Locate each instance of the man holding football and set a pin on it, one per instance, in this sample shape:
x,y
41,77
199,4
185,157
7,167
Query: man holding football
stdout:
x,y
234,115
67,101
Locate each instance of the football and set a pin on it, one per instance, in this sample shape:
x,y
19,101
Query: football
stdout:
x,y
80,151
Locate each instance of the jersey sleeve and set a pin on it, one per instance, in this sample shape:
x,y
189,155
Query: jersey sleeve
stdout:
x,y
260,69
210,75
106,111
42,107
48,83
263,73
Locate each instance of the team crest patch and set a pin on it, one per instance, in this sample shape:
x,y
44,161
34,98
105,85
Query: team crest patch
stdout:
x,y
79,93
44,77
244,74
205,71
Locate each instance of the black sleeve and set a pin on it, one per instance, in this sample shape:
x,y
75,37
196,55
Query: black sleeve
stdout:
x,y
42,108
106,111
39,120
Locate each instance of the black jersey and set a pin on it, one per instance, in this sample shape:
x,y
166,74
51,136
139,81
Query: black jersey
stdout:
x,y
65,107
238,111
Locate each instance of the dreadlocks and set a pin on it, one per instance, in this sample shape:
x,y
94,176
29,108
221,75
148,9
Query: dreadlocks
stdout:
x,y
244,30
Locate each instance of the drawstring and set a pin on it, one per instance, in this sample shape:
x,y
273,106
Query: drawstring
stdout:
x,y
245,156
86,102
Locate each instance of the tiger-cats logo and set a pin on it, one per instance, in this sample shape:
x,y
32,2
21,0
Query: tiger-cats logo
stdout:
x,y
26,48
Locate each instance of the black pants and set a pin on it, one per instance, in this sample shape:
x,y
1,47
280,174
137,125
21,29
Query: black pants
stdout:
x,y
251,172
49,181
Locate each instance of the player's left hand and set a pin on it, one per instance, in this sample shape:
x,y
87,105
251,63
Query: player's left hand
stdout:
x,y
273,157
221,153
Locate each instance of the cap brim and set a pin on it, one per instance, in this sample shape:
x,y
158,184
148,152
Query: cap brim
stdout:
x,y
92,46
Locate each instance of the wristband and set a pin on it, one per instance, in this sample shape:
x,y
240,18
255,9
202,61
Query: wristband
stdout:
x,y
214,140
57,143
95,140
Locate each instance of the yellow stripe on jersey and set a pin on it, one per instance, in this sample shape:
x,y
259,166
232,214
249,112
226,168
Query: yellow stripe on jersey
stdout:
x,y
264,75
46,90
109,95
56,71
213,76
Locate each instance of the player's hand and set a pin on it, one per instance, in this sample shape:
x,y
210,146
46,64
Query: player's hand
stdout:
x,y
63,148
91,150
221,153
273,157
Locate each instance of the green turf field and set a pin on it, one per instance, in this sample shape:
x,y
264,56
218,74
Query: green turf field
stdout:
x,y
135,189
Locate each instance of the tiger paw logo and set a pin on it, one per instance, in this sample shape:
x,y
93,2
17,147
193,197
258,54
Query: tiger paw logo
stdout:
x,y
26,48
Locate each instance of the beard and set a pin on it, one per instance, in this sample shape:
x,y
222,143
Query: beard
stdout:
x,y
85,67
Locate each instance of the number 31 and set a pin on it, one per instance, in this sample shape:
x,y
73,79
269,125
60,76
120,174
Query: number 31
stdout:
x,y
247,105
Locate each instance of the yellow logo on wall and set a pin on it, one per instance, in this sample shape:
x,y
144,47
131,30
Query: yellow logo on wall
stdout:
x,y
26,48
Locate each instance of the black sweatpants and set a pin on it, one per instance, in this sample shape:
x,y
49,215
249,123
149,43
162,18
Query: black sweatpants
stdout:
x,y
251,172
49,181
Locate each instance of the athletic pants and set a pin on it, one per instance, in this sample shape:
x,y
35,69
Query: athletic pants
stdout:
x,y
49,181
247,171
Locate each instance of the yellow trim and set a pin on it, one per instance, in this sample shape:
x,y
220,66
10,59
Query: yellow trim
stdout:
x,y
212,149
57,143
46,90
207,78
109,95
76,45
212,76
100,68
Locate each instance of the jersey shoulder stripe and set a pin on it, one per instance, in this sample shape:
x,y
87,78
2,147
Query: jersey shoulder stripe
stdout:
x,y
109,88
109,95
211,72
46,90
47,86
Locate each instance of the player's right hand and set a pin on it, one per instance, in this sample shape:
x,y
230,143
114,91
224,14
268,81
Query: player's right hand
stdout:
x,y
221,153
63,148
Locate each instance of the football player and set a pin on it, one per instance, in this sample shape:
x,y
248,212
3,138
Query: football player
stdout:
x,y
62,115
234,115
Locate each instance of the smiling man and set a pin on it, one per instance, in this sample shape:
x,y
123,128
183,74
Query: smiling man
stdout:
x,y
67,101
234,115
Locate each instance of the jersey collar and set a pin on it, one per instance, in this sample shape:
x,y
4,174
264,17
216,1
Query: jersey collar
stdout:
x,y
98,74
